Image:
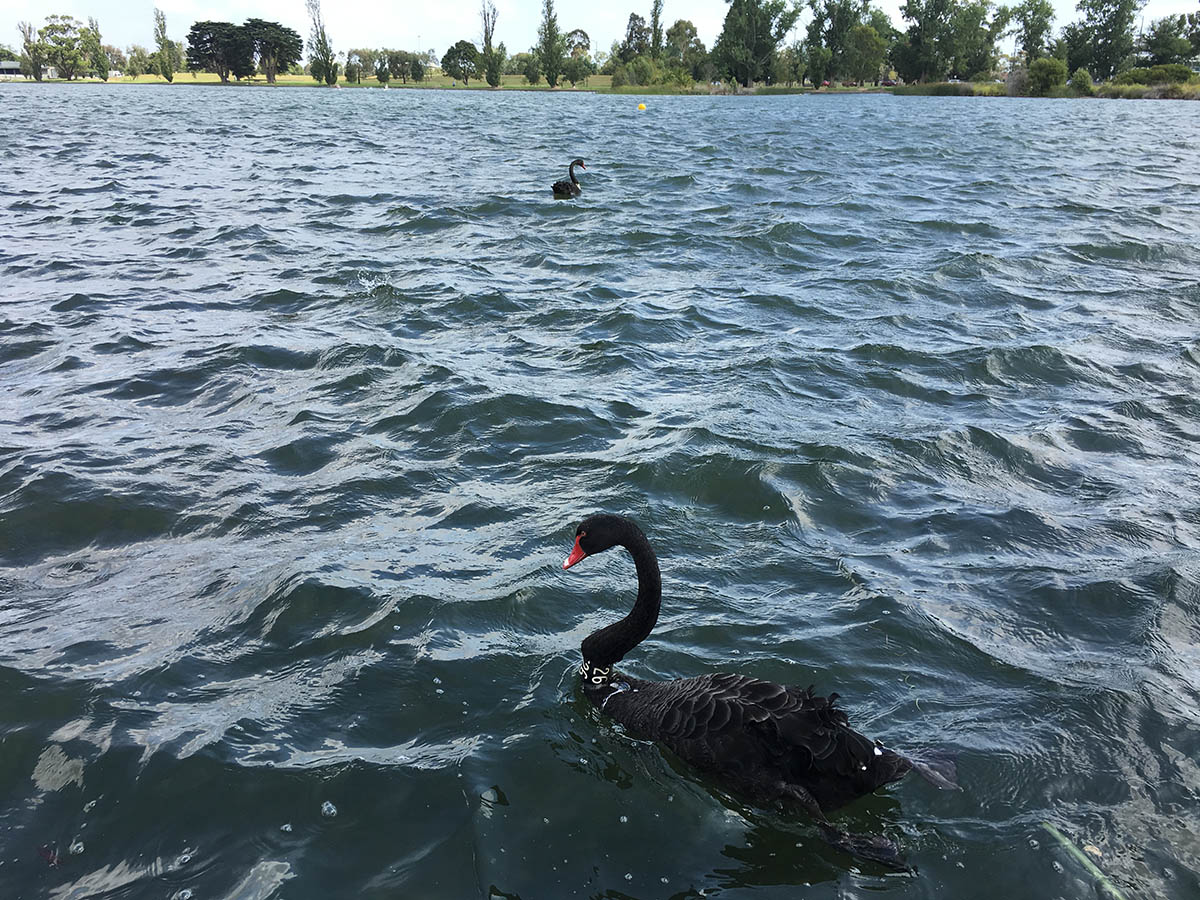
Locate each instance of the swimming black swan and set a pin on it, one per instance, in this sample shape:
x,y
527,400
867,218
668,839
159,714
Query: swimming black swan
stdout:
x,y
569,187
773,745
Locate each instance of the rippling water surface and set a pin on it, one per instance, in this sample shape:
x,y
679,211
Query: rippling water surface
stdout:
x,y
303,392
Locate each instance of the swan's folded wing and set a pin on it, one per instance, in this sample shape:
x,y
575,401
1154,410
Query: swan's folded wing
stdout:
x,y
799,729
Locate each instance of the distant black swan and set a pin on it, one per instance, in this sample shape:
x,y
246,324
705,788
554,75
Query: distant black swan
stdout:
x,y
569,187
773,745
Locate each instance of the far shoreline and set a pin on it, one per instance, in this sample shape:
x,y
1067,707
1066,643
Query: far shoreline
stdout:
x,y
1106,91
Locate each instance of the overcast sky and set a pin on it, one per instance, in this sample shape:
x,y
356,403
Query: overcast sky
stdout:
x,y
405,24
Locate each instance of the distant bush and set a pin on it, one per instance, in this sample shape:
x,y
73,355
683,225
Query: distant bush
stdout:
x,y
1133,76
1045,74
1017,84
1114,91
956,89
1175,73
642,71
620,76
1081,82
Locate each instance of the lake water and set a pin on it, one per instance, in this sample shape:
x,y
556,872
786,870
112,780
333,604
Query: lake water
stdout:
x,y
303,392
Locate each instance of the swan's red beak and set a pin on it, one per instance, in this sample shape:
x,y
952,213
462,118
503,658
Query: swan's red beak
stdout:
x,y
575,556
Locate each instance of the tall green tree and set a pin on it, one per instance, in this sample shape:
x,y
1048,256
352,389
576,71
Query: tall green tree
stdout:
x,y
656,29
637,39
533,68
33,52
1110,23
577,69
684,48
493,65
97,62
166,60
461,61
220,47
139,62
1165,42
1074,47
578,43
322,59
61,36
277,47
551,45
1032,19
752,32
369,58
790,65
865,52
830,27
399,64
975,26
922,54
116,58
819,58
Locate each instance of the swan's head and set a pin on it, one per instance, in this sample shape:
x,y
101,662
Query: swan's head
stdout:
x,y
596,534
577,162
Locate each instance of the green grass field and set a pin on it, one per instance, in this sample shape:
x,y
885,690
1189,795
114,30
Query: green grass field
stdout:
x,y
507,82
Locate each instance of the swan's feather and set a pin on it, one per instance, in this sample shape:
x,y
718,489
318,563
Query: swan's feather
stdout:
x,y
757,736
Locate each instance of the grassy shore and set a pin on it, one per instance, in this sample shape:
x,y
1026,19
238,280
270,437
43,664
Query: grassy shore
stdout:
x,y
603,84
1109,91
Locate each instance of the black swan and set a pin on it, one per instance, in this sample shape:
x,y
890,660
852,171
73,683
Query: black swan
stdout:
x,y
569,187
773,745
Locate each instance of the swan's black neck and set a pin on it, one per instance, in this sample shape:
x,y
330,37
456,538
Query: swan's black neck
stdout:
x,y
610,644
571,172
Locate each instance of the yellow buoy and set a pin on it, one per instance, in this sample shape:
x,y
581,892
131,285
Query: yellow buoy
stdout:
x,y
641,106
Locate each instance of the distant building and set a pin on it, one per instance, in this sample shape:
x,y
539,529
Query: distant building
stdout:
x,y
9,68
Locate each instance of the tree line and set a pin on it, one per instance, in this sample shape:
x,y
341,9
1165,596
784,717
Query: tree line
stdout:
x,y
843,40
75,50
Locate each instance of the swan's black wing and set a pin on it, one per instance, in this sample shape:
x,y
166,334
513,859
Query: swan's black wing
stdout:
x,y
759,737
563,188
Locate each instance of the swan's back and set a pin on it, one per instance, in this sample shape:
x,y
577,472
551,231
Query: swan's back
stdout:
x,y
758,737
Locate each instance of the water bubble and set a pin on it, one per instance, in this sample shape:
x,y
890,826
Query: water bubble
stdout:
x,y
629,876
440,691
286,827
1057,866
171,695
624,819
89,806
185,894
328,810
185,858
76,848
437,681
665,880
1033,842
545,821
